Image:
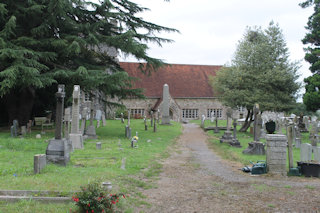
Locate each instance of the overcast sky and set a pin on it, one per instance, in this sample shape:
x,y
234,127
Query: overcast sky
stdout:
x,y
211,29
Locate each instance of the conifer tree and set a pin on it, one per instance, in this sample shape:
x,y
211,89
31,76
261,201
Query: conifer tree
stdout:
x,y
45,43
312,96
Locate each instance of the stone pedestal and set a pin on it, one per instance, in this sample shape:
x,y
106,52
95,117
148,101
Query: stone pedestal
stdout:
x,y
276,154
255,148
39,163
91,132
58,151
227,137
77,140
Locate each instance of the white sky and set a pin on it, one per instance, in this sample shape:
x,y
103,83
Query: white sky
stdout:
x,y
211,29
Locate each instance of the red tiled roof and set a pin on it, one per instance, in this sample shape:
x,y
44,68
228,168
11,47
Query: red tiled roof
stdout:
x,y
183,80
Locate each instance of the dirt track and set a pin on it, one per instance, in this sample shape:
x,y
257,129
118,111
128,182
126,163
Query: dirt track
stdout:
x,y
195,179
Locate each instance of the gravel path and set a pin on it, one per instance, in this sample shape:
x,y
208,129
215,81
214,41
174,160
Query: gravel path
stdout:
x,y
195,179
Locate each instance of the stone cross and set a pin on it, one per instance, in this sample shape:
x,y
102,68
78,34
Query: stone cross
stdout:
x,y
59,111
75,134
165,105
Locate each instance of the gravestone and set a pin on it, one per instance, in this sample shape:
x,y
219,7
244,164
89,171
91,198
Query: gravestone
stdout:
x,y
235,141
122,119
104,122
256,147
98,117
301,124
165,105
290,143
129,117
23,130
14,128
145,123
66,119
203,118
227,136
39,162
212,117
76,135
276,154
297,137
29,124
216,129
306,152
316,152
58,151
84,113
91,130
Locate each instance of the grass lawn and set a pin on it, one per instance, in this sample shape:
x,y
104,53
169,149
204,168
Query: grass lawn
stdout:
x,y
235,154
87,165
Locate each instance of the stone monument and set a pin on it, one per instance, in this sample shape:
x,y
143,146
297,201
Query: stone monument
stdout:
x,y
66,121
276,154
57,151
165,105
227,136
235,141
75,135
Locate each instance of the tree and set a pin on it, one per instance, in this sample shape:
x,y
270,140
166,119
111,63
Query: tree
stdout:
x,y
312,96
43,43
260,72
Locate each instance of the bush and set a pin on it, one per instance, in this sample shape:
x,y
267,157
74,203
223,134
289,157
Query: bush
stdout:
x,y
93,198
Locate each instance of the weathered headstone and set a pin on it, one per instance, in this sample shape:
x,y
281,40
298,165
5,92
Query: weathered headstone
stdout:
x,y
165,105
297,137
84,113
216,129
66,121
122,119
76,135
276,154
129,117
305,152
301,124
29,124
39,162
316,152
227,136
91,130
14,128
104,122
58,150
23,130
212,117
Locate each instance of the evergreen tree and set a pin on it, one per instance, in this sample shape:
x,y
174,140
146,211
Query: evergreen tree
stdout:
x,y
312,96
45,43
260,72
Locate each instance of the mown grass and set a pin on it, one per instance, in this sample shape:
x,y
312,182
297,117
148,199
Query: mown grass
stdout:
x,y
235,154
89,164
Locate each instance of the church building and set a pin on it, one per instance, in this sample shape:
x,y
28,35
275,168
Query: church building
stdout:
x,y
191,94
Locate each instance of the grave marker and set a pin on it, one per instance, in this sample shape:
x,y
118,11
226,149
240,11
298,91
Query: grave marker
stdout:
x,y
165,105
58,151
76,135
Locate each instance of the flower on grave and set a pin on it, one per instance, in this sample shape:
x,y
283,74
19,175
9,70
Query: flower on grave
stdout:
x,y
95,198
135,138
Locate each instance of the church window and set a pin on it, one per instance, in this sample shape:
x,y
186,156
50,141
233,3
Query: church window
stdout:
x,y
189,113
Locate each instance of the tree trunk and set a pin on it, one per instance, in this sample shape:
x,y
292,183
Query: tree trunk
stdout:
x,y
247,122
19,105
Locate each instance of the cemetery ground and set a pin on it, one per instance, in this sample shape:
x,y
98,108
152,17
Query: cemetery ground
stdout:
x,y
194,173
